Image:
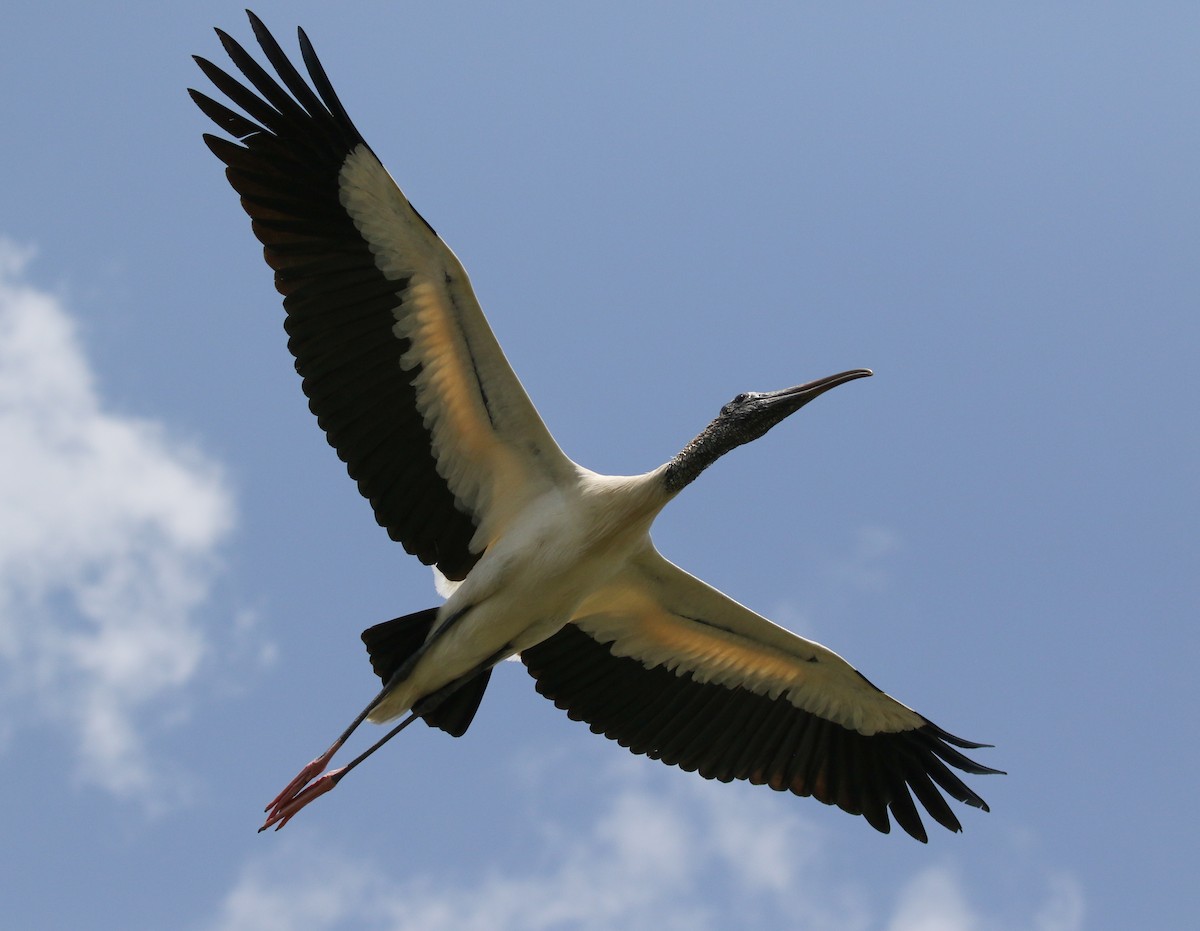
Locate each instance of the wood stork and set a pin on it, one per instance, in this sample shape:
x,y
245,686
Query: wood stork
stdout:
x,y
550,562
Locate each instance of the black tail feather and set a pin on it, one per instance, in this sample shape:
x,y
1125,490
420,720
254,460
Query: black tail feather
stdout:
x,y
392,643
454,713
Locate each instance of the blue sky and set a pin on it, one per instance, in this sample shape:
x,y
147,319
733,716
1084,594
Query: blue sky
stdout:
x,y
996,209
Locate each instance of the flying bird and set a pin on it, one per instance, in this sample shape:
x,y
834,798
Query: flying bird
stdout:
x,y
546,560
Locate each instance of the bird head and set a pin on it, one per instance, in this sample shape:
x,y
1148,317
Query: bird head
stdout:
x,y
746,418
753,413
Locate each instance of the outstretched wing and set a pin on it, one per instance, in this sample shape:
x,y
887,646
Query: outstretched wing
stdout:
x,y
672,668
398,362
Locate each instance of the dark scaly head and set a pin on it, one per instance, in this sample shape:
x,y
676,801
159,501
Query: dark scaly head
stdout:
x,y
745,418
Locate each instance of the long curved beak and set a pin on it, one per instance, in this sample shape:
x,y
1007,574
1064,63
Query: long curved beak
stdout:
x,y
790,400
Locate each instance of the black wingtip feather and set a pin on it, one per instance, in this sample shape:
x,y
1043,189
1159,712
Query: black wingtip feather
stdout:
x,y
233,123
322,83
904,811
287,71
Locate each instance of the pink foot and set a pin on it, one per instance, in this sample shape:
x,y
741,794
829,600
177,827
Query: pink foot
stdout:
x,y
305,776
282,809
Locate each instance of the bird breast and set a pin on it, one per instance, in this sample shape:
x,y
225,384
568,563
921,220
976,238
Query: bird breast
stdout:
x,y
568,543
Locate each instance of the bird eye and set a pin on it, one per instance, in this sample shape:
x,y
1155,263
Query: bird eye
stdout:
x,y
733,405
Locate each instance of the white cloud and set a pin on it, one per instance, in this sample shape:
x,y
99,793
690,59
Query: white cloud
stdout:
x,y
645,863
107,548
702,858
1063,909
933,901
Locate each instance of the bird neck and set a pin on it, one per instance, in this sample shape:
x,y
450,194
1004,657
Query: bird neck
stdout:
x,y
713,442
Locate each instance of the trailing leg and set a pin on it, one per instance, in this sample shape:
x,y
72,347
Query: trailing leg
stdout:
x,y
394,647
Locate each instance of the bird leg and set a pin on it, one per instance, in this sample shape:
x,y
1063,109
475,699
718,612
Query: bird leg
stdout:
x,y
300,791
289,801
292,792
309,784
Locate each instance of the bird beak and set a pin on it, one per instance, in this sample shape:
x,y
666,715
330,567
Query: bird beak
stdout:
x,y
790,400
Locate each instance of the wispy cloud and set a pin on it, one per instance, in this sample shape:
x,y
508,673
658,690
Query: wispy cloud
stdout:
x,y
935,900
849,569
1063,907
866,566
108,529
649,861
703,858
